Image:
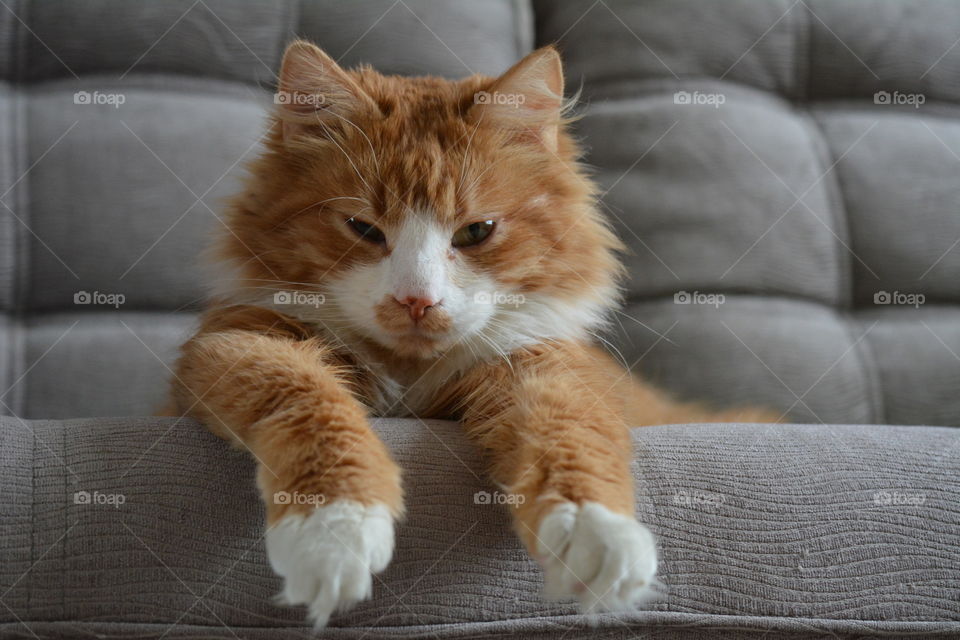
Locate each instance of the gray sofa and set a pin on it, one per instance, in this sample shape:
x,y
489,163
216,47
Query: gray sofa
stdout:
x,y
785,174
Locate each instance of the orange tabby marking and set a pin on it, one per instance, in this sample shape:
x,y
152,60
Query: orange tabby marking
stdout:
x,y
416,245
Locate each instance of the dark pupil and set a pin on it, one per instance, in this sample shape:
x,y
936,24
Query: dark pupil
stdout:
x,y
476,230
366,231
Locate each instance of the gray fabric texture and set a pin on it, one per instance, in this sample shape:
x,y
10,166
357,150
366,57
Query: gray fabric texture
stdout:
x,y
798,199
797,191
791,530
122,198
785,186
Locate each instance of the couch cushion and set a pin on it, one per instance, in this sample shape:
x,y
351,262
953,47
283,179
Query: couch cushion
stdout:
x,y
795,164
74,360
859,534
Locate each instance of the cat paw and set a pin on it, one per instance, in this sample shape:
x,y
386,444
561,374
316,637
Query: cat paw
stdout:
x,y
327,557
606,560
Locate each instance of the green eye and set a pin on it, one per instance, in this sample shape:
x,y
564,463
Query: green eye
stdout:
x,y
473,233
367,231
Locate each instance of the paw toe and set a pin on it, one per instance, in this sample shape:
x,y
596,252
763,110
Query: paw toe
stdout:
x,y
327,558
604,559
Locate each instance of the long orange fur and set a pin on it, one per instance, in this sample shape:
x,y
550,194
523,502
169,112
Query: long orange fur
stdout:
x,y
552,418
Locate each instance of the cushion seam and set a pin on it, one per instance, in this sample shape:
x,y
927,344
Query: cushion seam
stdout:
x,y
837,213
845,261
871,373
21,242
807,30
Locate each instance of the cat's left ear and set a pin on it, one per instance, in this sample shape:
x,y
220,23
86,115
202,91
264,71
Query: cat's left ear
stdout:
x,y
527,99
314,91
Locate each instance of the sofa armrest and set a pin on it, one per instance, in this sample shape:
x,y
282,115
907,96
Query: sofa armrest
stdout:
x,y
131,526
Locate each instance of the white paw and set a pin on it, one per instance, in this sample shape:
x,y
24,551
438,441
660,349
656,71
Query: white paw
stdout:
x,y
606,560
327,558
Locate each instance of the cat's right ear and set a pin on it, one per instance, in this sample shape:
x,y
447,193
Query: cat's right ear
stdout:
x,y
314,92
527,100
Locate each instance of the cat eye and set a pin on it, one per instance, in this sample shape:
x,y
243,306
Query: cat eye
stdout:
x,y
367,231
473,234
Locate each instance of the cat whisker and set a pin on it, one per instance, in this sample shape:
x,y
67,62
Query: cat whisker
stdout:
x,y
466,155
314,204
332,139
376,162
272,281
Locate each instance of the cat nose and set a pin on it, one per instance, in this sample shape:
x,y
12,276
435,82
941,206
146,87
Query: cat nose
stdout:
x,y
417,306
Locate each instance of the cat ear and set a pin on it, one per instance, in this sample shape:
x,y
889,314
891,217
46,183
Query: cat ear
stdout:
x,y
314,90
527,99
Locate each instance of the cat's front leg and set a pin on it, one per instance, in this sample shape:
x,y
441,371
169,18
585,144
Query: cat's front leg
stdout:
x,y
332,495
331,490
553,427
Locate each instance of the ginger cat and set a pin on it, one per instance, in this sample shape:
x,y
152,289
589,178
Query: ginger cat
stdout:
x,y
416,246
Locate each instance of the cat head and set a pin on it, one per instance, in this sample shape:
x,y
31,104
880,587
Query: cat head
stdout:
x,y
423,215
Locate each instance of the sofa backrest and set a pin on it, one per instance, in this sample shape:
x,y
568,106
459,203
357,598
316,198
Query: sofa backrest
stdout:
x,y
740,145
799,159
124,125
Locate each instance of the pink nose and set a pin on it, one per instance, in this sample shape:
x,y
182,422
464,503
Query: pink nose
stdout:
x,y
417,307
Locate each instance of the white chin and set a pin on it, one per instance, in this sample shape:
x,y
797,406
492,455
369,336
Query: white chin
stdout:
x,y
420,346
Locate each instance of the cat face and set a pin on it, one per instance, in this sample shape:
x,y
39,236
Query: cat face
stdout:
x,y
421,215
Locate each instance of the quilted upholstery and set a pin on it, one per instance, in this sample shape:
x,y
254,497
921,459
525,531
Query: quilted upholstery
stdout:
x,y
861,539
784,186
122,198
798,198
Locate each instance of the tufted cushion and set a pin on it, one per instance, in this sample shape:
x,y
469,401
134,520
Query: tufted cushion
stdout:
x,y
743,153
798,198
120,194
862,540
